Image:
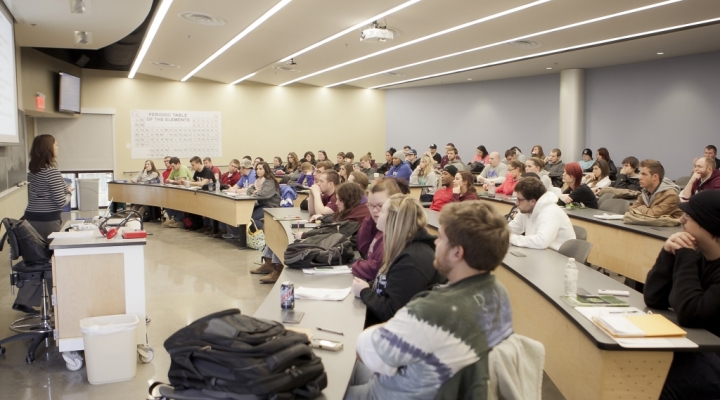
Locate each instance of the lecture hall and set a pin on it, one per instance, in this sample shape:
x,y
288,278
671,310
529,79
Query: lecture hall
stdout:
x,y
322,199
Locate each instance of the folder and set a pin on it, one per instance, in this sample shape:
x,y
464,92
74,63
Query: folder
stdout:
x,y
650,325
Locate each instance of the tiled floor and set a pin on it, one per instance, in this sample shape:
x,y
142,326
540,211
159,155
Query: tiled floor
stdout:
x,y
188,275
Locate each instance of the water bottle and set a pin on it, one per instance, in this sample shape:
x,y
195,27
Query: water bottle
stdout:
x,y
217,187
491,189
571,278
211,186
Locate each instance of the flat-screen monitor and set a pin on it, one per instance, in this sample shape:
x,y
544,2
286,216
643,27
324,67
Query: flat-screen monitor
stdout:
x,y
69,93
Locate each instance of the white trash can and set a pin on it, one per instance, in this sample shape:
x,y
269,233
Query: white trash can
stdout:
x,y
110,347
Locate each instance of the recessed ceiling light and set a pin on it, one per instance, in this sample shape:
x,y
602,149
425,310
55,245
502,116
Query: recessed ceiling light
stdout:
x,y
515,40
469,79
422,39
660,54
164,64
277,7
565,49
285,68
548,68
337,35
201,18
150,35
524,44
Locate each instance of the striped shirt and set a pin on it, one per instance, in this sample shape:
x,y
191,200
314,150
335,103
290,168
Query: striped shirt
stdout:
x,y
47,195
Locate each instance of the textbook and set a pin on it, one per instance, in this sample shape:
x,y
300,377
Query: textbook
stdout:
x,y
637,326
589,300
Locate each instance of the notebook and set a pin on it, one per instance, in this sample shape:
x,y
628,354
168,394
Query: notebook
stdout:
x,y
629,326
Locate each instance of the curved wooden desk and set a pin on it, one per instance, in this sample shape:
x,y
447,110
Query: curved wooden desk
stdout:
x,y
233,211
347,316
629,250
582,360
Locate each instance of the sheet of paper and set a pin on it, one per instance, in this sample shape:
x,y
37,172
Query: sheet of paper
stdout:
x,y
608,216
590,312
72,234
655,343
303,293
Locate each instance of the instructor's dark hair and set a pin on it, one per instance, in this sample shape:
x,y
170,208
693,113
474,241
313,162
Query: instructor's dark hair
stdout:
x,y
42,153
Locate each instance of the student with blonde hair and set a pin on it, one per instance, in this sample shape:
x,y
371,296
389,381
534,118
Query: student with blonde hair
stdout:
x,y
425,174
409,251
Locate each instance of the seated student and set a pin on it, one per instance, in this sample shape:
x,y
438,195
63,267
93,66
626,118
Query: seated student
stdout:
x,y
400,168
686,277
207,162
306,178
519,155
537,151
202,175
344,171
454,160
257,161
659,195
406,149
369,237
444,195
321,156
292,168
383,169
425,174
350,205
603,154
349,157
704,177
464,187
321,199
232,176
711,152
267,187
444,160
440,332
509,156
494,172
434,155
407,267
412,159
481,155
555,167
576,191
628,177
168,169
537,166
515,169
278,165
247,177
309,157
321,167
366,168
359,178
541,224
149,174
179,175
587,160
598,178
340,160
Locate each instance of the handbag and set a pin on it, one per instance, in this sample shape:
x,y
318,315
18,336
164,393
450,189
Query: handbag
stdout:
x,y
255,238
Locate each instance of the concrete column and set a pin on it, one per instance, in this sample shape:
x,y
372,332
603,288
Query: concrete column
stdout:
x,y
572,114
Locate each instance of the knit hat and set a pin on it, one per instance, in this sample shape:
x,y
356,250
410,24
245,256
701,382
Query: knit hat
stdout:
x,y
451,170
247,164
399,155
704,208
587,152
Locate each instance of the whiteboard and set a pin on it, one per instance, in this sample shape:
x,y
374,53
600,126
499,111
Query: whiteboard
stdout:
x,y
183,134
8,91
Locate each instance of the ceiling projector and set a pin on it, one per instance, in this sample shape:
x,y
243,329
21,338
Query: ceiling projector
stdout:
x,y
376,35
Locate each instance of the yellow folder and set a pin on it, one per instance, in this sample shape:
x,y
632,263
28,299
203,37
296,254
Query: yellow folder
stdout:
x,y
656,325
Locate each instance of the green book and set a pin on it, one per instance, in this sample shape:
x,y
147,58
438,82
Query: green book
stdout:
x,y
588,300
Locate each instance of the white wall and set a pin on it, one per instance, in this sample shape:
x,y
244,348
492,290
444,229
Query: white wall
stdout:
x,y
499,114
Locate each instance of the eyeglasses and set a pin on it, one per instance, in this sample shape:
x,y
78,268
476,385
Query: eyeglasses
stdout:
x,y
520,200
374,206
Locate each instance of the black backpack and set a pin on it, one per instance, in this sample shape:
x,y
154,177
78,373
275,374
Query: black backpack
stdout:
x,y
229,355
319,250
347,228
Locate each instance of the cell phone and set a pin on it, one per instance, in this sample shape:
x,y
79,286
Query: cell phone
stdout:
x,y
292,317
326,344
518,254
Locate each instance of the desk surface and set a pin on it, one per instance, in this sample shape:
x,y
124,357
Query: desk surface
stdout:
x,y
96,240
195,189
347,316
543,270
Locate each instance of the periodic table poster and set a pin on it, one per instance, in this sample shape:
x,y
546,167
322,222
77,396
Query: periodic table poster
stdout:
x,y
183,134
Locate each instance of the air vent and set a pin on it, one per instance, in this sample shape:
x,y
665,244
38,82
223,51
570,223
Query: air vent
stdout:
x,y
164,64
393,74
202,19
286,68
524,44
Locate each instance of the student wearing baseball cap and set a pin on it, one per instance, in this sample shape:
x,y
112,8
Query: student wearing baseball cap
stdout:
x,y
686,277
444,195
587,160
434,154
412,159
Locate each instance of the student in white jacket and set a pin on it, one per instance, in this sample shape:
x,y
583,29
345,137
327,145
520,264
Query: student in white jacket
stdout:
x,y
543,222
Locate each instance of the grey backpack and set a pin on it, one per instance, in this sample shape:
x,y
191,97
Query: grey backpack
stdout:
x,y
319,250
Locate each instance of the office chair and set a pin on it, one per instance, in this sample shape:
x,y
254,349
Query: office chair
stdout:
x,y
25,242
577,249
616,206
682,181
580,232
606,196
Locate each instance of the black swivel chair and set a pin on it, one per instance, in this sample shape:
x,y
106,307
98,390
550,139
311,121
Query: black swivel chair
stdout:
x,y
25,242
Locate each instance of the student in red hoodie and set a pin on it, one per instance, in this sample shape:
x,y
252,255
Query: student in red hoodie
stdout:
x,y
444,195
349,196
230,178
370,238
464,188
168,169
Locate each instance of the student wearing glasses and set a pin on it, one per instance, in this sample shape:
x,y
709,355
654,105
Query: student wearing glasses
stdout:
x,y
515,170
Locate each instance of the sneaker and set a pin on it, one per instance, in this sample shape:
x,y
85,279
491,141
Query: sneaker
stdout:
x,y
229,236
175,224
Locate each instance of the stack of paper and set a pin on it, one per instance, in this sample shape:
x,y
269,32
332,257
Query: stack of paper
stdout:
x,y
339,269
636,326
608,216
303,293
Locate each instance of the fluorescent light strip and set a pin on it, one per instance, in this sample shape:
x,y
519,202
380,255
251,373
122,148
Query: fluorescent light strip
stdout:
x,y
547,53
333,37
237,38
508,41
150,36
418,40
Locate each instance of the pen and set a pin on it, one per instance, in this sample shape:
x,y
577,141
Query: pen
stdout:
x,y
622,312
328,330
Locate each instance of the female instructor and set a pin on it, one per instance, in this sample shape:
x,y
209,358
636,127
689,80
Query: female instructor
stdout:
x,y
48,193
